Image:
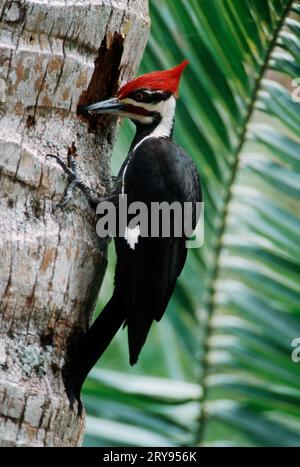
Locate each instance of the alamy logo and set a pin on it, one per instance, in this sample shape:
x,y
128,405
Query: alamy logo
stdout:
x,y
160,219
296,351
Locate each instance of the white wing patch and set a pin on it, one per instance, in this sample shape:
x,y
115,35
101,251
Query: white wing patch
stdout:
x,y
132,235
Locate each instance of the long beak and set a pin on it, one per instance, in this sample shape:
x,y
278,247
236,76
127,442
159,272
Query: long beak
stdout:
x,y
110,106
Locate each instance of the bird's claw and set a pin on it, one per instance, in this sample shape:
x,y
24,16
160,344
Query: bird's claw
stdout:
x,y
63,165
74,180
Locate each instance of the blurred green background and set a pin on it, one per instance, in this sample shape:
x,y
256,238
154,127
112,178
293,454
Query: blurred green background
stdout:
x,y
217,370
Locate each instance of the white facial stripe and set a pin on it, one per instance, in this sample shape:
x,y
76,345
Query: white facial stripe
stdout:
x,y
164,128
148,91
165,108
155,107
140,118
167,112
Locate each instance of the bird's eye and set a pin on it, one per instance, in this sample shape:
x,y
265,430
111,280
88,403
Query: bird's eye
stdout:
x,y
139,96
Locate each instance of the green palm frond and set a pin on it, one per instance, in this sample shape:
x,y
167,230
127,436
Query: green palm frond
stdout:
x,y
236,309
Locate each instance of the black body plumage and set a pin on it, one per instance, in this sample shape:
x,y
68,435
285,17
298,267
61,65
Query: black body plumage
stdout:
x,y
157,170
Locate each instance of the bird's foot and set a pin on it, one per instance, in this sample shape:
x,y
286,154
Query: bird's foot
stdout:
x,y
74,179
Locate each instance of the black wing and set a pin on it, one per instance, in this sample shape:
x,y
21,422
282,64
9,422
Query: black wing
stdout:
x,y
146,276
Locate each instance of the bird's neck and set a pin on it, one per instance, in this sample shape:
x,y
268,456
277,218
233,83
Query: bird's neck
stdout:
x,y
161,127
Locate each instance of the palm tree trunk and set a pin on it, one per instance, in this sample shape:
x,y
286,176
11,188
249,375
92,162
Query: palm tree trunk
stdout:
x,y
53,56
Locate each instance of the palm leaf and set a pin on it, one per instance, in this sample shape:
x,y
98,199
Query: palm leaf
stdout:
x,y
237,307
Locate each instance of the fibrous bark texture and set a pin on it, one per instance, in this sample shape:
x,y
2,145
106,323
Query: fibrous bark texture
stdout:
x,y
53,56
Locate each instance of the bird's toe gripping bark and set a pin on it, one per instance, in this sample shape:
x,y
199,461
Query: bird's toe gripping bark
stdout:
x,y
74,181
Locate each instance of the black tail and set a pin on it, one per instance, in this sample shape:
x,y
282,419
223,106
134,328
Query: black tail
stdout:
x,y
92,345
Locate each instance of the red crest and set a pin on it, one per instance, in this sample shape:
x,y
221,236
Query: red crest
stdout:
x,y
167,80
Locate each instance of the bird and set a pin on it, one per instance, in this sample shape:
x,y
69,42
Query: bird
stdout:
x,y
156,170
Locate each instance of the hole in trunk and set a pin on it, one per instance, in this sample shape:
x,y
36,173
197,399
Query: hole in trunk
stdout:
x,y
104,81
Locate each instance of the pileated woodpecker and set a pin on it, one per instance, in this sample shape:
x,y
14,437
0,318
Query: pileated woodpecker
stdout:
x,y
155,170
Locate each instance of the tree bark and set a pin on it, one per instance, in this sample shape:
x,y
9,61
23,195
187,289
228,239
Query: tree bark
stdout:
x,y
53,56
